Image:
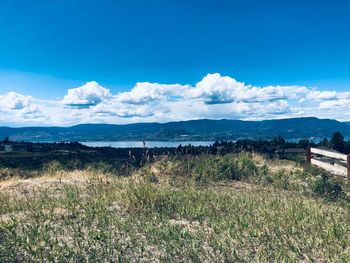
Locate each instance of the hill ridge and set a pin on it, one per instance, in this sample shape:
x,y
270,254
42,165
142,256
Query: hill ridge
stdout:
x,y
200,129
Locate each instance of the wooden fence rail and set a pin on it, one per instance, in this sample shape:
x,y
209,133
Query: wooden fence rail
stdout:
x,y
334,162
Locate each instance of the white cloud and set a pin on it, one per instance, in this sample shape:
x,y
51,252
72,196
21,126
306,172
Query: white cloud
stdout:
x,y
214,97
19,109
90,94
321,95
145,92
341,103
215,89
122,110
14,101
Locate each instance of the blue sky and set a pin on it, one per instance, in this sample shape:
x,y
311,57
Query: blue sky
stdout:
x,y
50,47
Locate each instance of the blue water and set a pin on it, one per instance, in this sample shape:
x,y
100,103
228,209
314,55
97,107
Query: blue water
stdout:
x,y
149,144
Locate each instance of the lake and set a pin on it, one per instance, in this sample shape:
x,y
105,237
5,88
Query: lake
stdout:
x,y
149,144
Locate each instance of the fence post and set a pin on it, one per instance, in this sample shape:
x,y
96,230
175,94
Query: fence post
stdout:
x,y
348,166
308,155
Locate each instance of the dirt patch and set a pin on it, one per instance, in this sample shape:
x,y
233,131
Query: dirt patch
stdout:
x,y
52,184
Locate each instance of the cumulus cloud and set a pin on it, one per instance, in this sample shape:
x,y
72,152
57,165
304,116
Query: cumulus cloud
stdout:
x,y
215,89
14,101
145,92
19,109
90,94
122,110
341,103
214,96
321,95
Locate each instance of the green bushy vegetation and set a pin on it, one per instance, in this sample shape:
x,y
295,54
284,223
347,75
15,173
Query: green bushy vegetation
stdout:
x,y
208,208
211,167
329,188
228,167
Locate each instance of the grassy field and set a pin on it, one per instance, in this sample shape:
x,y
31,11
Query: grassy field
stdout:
x,y
233,208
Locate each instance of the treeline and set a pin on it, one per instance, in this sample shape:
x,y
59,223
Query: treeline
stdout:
x,y
247,145
337,143
273,146
74,155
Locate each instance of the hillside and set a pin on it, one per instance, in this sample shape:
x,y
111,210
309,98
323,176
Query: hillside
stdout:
x,y
184,130
234,208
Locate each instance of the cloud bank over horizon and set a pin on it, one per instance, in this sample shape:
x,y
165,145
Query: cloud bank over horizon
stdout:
x,y
213,97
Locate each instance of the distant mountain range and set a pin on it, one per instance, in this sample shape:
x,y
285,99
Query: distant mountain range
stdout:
x,y
295,128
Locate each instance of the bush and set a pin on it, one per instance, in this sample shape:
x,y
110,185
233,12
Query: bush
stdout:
x,y
103,167
7,173
228,167
145,197
281,180
206,168
329,188
52,167
150,177
215,168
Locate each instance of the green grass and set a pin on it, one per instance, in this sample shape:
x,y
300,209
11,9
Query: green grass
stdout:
x,y
143,219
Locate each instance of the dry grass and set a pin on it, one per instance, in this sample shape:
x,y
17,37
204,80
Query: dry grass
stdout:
x,y
82,216
276,165
51,183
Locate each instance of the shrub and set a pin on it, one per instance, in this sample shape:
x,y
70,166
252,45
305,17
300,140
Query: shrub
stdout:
x,y
7,173
102,167
145,197
329,188
150,177
214,168
247,167
228,167
52,167
281,180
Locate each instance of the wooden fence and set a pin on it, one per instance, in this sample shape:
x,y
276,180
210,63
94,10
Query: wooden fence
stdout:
x,y
334,162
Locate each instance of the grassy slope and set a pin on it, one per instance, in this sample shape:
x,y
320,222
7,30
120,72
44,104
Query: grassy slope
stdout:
x,y
84,216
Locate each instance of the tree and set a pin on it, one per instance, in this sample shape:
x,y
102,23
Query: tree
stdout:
x,y
303,143
347,147
324,142
337,142
278,141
